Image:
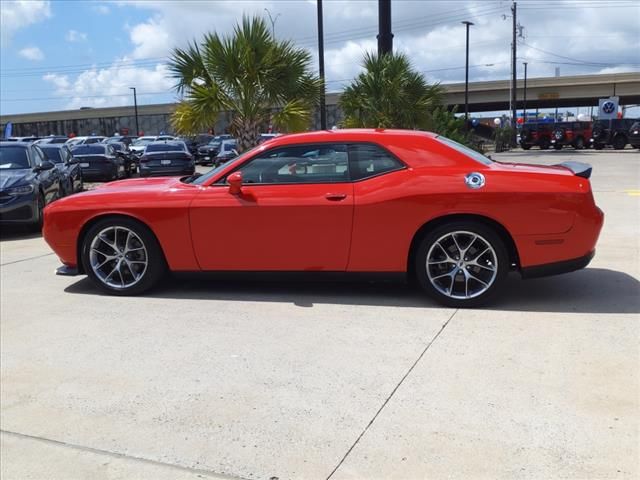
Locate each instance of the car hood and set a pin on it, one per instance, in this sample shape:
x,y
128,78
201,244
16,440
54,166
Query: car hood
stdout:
x,y
157,183
13,178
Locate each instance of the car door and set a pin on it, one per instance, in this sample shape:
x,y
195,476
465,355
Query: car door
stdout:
x,y
49,179
294,213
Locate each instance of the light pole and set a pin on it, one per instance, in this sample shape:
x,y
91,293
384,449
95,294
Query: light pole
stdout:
x,y
135,106
385,37
273,22
323,108
466,79
524,99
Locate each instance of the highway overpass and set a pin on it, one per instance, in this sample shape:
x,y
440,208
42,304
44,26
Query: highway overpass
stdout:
x,y
549,92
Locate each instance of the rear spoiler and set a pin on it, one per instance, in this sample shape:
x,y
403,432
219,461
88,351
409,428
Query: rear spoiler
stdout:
x,y
579,169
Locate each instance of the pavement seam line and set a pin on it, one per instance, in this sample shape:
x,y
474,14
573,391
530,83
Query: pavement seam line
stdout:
x,y
384,404
26,259
108,453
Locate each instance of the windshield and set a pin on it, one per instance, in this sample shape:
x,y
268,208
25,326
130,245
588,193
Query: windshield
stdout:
x,y
164,148
89,150
478,157
229,146
13,158
53,154
214,171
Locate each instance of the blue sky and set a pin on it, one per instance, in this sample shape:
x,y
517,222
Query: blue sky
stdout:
x,y
60,54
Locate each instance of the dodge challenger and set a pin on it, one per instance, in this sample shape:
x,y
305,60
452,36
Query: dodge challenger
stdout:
x,y
350,201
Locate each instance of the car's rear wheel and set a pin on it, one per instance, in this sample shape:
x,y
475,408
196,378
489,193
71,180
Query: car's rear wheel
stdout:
x,y
544,144
557,146
122,256
462,264
526,147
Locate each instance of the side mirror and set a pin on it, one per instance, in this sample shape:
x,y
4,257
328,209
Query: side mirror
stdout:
x,y
235,183
235,152
45,165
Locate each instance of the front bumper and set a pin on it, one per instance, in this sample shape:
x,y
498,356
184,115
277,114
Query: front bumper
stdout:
x,y
19,210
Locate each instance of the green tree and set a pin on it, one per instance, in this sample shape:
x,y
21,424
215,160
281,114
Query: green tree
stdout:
x,y
389,94
258,79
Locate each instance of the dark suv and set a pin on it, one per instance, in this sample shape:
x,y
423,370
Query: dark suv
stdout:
x,y
613,132
535,134
576,134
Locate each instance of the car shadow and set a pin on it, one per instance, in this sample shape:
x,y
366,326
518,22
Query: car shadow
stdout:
x,y
593,290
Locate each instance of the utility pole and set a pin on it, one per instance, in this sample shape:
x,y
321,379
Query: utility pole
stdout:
x,y
466,79
513,79
385,37
323,110
273,22
524,102
135,106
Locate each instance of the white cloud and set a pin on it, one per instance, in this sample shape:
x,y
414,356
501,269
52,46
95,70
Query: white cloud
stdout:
x,y
110,86
74,36
101,9
15,15
31,53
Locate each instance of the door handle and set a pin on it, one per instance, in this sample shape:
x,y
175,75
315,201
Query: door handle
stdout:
x,y
335,197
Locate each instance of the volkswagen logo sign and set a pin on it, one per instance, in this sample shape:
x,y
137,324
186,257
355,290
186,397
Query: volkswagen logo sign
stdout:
x,y
608,107
474,180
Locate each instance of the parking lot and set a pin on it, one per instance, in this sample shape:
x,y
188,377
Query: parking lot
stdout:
x,y
229,379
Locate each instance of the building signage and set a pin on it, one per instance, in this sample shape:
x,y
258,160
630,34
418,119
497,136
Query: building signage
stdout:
x,y
608,108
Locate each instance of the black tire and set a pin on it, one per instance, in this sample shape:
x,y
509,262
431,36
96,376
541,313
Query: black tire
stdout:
x,y
598,146
40,204
544,144
557,146
579,143
486,234
526,147
619,142
156,264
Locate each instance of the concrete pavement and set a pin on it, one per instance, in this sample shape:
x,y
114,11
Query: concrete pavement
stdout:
x,y
254,380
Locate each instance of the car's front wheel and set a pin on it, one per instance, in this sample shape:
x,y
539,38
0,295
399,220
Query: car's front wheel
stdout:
x,y
462,264
122,256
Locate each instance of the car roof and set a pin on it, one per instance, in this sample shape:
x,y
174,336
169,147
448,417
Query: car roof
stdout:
x,y
347,134
15,144
166,142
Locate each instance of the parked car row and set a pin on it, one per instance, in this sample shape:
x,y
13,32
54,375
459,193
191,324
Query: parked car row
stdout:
x,y
31,179
599,134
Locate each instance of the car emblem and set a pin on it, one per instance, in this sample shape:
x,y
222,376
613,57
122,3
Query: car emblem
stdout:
x,y
474,180
608,107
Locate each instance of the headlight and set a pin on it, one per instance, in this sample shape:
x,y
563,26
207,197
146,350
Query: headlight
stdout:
x,y
23,190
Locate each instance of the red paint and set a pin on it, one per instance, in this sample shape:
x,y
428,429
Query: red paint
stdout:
x,y
367,225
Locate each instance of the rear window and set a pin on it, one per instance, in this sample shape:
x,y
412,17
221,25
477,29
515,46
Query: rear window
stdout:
x,y
89,150
13,158
477,156
164,148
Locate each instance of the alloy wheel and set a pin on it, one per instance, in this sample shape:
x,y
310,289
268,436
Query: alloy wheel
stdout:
x,y
461,265
118,257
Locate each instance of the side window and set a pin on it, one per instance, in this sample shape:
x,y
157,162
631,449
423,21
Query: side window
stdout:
x,y
37,154
324,163
370,160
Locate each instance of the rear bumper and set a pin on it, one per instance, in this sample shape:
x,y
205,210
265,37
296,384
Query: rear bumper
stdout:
x,y
166,171
100,172
557,268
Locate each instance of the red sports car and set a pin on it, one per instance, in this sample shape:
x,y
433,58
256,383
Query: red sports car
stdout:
x,y
390,201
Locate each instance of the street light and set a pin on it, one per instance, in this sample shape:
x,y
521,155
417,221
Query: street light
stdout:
x,y
273,22
524,100
135,105
466,79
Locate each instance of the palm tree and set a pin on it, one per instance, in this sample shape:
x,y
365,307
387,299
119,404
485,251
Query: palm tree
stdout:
x,y
389,94
258,79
